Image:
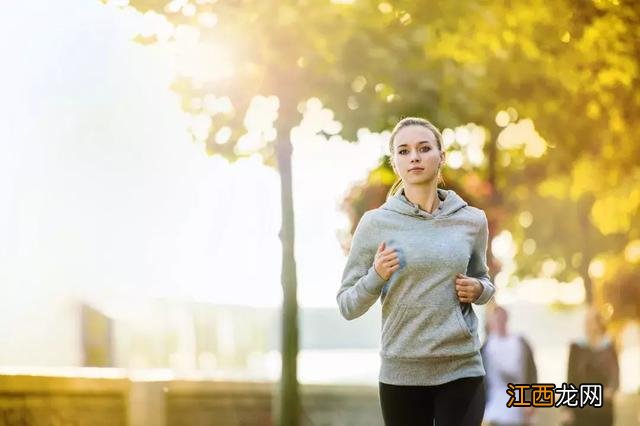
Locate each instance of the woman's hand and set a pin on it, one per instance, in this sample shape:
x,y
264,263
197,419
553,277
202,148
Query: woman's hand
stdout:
x,y
468,289
385,261
566,416
609,393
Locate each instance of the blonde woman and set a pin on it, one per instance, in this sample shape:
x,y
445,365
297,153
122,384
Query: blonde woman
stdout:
x,y
593,359
423,253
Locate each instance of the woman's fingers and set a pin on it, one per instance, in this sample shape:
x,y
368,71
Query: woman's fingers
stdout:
x,y
464,280
392,268
383,251
392,261
387,252
464,297
386,260
390,256
382,248
465,290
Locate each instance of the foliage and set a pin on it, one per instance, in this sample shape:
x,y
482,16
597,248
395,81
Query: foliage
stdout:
x,y
568,189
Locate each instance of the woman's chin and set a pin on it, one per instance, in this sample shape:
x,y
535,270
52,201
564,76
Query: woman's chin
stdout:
x,y
418,180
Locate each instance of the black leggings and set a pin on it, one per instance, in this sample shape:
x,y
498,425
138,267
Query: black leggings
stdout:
x,y
457,403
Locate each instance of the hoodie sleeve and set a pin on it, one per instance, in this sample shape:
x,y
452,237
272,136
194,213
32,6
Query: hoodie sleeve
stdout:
x,y
477,267
361,284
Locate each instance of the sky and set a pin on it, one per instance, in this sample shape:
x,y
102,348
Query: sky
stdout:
x,y
106,195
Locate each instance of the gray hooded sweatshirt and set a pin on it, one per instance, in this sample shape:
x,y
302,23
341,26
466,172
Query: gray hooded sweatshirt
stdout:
x,y
428,336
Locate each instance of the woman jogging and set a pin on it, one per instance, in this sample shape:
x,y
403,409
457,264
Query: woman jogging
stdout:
x,y
593,359
423,252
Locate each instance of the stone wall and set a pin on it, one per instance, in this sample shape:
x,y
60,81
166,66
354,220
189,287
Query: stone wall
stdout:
x,y
113,399
39,401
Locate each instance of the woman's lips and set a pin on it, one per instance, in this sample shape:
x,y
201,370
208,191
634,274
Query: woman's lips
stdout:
x,y
416,170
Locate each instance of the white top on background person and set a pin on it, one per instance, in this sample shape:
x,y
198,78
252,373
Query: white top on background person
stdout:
x,y
507,358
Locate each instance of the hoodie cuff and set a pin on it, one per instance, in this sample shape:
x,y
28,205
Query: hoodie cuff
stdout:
x,y
373,282
487,292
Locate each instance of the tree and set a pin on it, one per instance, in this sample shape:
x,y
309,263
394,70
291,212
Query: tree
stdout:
x,y
570,67
292,50
567,189
573,68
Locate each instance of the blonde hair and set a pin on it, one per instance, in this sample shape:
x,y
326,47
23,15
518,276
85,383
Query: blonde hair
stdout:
x,y
411,121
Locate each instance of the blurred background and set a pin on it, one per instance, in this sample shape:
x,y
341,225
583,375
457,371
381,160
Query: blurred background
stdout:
x,y
160,154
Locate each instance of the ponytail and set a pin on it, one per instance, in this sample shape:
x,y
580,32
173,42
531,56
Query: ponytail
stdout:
x,y
392,191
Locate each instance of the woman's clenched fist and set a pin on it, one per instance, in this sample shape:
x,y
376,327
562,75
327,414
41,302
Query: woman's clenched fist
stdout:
x,y
468,289
385,261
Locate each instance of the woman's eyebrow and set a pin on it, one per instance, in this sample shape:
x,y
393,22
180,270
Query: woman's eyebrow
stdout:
x,y
418,143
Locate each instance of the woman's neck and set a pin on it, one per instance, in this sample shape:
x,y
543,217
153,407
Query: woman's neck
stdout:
x,y
425,196
595,341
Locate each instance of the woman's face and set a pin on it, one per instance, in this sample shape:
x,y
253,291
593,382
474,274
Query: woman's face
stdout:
x,y
591,325
416,155
498,322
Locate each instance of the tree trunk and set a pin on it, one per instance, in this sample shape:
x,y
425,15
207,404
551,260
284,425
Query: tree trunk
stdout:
x,y
493,203
584,208
289,401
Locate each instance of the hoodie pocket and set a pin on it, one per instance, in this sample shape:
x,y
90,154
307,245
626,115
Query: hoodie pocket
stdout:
x,y
463,323
393,321
427,332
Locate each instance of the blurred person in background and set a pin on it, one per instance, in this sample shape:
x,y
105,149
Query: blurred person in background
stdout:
x,y
507,358
593,359
423,252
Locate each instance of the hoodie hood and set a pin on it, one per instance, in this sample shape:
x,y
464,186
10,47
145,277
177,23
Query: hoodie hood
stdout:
x,y
450,202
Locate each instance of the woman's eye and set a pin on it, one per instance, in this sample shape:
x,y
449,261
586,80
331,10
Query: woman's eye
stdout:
x,y
403,151
425,149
